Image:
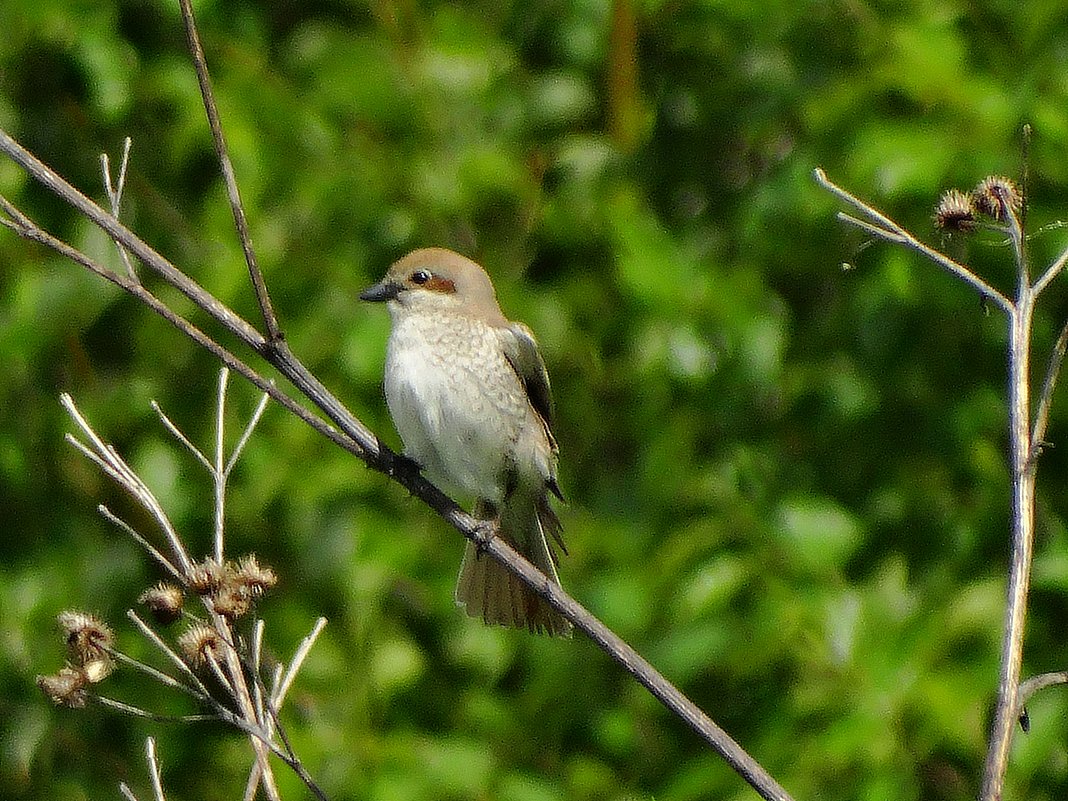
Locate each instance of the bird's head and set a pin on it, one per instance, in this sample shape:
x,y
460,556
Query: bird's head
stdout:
x,y
435,279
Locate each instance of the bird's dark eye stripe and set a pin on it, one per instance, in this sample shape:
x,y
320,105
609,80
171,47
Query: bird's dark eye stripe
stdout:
x,y
420,277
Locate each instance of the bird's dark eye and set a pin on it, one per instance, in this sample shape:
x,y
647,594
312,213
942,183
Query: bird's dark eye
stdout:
x,y
420,277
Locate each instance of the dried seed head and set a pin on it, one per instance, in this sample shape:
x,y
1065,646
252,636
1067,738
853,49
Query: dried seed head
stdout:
x,y
994,194
255,578
66,688
206,577
98,669
88,637
955,212
199,643
164,601
232,600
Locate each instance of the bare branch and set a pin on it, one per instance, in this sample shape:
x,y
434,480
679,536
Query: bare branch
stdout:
x,y
278,697
157,675
221,152
1045,400
169,652
889,230
243,441
181,437
1040,682
115,520
1051,272
114,193
153,764
218,471
115,466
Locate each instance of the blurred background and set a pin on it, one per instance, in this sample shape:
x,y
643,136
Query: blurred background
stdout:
x,y
787,480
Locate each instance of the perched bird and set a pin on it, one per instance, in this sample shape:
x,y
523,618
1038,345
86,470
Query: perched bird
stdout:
x,y
469,395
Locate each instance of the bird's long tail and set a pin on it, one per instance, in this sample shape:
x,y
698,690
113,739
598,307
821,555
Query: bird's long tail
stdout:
x,y
486,589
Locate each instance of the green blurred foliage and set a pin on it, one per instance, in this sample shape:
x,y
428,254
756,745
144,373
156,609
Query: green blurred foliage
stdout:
x,y
786,481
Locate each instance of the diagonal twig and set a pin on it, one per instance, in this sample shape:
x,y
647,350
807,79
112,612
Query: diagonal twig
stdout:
x,y
889,230
223,154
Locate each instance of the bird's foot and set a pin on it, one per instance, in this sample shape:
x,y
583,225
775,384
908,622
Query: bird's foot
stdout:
x,y
485,532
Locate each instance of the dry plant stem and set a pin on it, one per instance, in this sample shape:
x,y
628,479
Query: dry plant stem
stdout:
x,y
246,707
1023,521
360,441
153,768
113,465
222,153
114,192
26,228
118,522
157,675
268,710
137,712
1032,685
885,228
1024,445
1056,359
156,640
252,716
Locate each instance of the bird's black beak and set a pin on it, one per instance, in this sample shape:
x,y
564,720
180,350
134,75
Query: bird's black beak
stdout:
x,y
383,290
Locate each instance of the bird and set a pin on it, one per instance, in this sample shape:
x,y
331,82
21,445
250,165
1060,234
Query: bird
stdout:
x,y
469,395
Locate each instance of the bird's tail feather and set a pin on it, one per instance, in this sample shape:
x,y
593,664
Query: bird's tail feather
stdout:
x,y
488,590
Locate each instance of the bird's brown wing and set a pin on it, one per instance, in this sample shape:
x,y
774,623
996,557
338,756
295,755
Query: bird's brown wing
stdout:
x,y
522,353
521,350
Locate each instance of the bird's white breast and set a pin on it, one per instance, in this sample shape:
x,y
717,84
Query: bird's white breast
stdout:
x,y
456,402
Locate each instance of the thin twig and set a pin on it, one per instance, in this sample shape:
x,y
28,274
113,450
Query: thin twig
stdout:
x,y
1051,272
158,675
114,193
109,459
1045,399
218,473
179,435
164,562
153,766
168,651
888,229
240,693
138,712
258,690
243,441
278,697
26,228
221,152
1030,686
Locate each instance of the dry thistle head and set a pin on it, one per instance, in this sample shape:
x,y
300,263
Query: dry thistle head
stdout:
x,y
955,212
66,688
232,600
199,644
255,578
206,577
164,601
994,194
88,637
